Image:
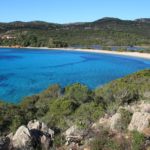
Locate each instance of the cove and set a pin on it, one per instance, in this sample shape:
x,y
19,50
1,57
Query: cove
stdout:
x,y
24,72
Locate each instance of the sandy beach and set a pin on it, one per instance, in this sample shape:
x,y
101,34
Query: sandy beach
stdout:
x,y
132,54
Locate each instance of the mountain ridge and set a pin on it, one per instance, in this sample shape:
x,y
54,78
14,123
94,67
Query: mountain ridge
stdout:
x,y
107,31
101,19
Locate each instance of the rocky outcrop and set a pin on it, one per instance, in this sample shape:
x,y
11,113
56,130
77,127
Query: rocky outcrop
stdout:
x,y
41,134
37,125
36,135
22,138
75,134
139,107
140,121
115,122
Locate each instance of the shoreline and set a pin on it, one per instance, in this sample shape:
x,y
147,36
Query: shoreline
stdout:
x,y
132,54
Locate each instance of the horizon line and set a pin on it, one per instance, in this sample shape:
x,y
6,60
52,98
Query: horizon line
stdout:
x,y
74,21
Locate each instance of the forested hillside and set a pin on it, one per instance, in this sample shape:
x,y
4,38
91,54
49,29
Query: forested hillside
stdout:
x,y
97,34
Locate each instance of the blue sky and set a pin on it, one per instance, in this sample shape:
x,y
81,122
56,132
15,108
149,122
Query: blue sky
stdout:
x,y
66,11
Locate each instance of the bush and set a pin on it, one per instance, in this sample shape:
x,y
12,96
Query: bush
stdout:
x,y
53,91
103,141
59,111
112,107
125,90
88,113
126,117
137,141
79,93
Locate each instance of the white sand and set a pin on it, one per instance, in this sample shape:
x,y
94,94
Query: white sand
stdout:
x,y
132,54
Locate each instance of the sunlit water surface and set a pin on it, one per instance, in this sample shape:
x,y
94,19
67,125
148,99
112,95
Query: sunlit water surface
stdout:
x,y
25,72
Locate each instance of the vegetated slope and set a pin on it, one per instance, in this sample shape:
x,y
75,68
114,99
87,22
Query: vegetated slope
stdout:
x,y
104,32
75,104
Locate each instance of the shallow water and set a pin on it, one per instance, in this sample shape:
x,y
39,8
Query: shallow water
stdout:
x,y
25,72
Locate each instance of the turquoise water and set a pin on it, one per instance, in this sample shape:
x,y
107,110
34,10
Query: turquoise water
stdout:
x,y
25,72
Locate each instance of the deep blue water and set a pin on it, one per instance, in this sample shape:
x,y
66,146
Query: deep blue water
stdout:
x,y
25,72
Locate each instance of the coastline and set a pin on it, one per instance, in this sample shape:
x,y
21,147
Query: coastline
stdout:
x,y
132,54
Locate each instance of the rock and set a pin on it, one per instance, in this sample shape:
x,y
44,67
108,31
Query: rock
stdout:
x,y
46,142
146,132
105,122
87,148
37,125
139,121
115,122
34,124
41,134
22,138
5,143
10,136
36,136
74,135
47,130
139,107
145,107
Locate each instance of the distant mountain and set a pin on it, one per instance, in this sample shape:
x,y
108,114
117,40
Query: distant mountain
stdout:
x,y
106,31
107,19
146,20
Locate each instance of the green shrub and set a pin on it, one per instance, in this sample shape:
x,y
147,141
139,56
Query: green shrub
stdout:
x,y
88,113
53,91
137,141
112,107
103,141
126,117
59,111
125,90
79,93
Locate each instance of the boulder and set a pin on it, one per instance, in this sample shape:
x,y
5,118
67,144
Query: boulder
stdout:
x,y
41,134
35,136
10,136
37,125
5,143
139,121
103,122
74,134
145,107
146,132
115,122
46,142
139,107
34,124
47,130
22,138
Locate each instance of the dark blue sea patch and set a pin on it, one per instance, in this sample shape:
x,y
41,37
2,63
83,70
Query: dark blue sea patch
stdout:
x,y
3,85
10,57
91,57
4,77
11,92
67,64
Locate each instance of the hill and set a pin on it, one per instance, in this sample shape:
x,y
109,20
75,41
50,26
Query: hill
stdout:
x,y
96,34
75,109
